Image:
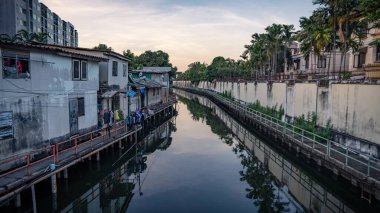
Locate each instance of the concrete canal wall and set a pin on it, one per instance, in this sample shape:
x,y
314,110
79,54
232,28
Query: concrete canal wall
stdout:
x,y
352,108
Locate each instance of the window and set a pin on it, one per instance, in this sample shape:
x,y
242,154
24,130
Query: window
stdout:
x,y
76,70
307,59
80,106
321,62
378,52
296,64
154,92
15,65
80,70
359,60
124,70
114,68
6,125
84,70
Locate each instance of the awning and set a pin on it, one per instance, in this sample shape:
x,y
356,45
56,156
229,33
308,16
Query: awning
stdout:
x,y
109,94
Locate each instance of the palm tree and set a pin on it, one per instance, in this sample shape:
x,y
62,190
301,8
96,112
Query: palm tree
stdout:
x,y
274,33
41,37
10,39
286,37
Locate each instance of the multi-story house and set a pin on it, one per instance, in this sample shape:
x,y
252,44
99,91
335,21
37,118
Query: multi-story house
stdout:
x,y
159,75
113,78
367,59
30,15
325,65
47,94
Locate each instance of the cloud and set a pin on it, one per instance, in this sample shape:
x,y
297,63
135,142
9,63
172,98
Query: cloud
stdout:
x,y
187,31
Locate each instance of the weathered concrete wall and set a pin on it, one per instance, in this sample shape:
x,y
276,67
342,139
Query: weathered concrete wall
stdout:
x,y
29,124
277,95
40,105
304,98
352,108
260,93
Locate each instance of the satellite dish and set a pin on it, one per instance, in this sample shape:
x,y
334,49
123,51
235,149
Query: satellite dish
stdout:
x,y
140,74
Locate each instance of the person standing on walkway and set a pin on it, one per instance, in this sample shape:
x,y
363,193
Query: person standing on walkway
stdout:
x,y
111,122
107,121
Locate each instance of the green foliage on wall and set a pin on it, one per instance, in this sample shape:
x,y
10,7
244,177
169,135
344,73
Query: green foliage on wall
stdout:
x,y
270,111
227,94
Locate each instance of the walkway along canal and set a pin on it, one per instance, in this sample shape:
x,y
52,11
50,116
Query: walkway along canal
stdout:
x,y
203,160
360,169
23,172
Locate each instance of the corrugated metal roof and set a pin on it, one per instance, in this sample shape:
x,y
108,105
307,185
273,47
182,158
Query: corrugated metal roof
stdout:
x,y
158,70
109,94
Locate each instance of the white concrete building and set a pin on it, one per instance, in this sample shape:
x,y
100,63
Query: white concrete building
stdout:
x,y
47,94
113,78
367,59
159,75
315,66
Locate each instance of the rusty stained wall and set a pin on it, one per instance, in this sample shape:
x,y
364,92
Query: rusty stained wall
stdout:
x,y
28,124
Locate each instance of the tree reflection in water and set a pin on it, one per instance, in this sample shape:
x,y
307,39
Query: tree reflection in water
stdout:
x,y
205,114
263,189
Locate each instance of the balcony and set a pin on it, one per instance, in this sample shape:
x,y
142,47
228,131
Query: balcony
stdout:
x,y
372,71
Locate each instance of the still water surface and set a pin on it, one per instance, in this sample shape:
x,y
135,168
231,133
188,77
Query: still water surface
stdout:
x,y
200,161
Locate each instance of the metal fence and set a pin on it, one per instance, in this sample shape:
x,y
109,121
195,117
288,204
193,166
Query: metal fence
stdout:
x,y
346,157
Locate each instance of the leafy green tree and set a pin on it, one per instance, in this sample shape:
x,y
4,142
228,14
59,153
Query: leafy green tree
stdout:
x,y
155,59
132,64
103,47
370,11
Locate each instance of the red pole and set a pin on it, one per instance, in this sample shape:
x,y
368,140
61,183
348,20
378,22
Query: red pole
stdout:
x,y
76,142
56,152
53,152
104,134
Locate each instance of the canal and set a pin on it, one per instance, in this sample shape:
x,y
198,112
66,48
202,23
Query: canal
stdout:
x,y
202,160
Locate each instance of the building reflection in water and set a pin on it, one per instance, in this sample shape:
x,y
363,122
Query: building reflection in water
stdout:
x,y
275,184
114,192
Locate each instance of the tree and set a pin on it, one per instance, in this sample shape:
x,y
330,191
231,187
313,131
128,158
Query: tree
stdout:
x,y
132,64
103,47
155,59
370,11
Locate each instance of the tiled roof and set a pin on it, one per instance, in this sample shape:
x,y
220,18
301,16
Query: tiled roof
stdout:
x,y
55,49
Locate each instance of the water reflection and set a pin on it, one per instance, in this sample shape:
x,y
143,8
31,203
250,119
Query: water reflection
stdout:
x,y
275,184
114,192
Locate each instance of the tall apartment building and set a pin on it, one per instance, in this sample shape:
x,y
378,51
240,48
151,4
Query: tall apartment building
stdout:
x,y
33,16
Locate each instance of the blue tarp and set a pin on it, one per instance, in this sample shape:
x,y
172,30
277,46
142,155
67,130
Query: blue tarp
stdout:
x,y
131,93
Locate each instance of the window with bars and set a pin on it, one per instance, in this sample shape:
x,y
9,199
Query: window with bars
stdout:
x,y
81,107
359,60
15,64
321,62
124,70
114,68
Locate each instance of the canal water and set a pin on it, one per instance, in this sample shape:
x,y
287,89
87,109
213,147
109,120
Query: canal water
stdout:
x,y
202,160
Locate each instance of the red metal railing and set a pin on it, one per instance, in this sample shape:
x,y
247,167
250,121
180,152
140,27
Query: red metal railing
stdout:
x,y
52,153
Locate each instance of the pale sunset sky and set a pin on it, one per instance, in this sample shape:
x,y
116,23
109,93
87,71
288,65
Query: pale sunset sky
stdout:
x,y
188,30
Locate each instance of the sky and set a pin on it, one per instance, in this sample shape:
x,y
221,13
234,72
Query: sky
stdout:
x,y
188,30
